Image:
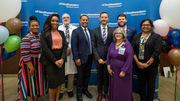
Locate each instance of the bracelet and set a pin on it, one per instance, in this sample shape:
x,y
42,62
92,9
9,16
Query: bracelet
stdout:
x,y
108,66
148,63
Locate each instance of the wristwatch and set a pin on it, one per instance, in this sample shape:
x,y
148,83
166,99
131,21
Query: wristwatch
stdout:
x,y
148,63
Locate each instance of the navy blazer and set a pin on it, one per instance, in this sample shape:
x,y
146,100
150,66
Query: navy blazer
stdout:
x,y
79,44
130,33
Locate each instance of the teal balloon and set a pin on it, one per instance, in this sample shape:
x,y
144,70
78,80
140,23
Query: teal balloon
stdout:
x,y
4,34
12,43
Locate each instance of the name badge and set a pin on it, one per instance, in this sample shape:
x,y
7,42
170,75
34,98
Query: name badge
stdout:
x,y
121,50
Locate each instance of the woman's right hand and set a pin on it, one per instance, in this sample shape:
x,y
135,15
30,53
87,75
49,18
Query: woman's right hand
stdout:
x,y
110,71
32,71
140,65
59,62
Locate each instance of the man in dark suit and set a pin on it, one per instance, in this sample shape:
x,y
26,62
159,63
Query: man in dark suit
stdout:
x,y
102,36
121,20
82,55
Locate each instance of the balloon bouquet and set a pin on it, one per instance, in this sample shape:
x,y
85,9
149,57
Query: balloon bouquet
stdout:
x,y
170,19
9,42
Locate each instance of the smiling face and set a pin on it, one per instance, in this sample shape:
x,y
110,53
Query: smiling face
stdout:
x,y
146,27
121,21
104,19
54,22
84,21
34,26
66,19
118,35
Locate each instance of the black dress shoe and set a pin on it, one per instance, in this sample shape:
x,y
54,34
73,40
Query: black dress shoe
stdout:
x,y
79,97
70,94
88,94
60,96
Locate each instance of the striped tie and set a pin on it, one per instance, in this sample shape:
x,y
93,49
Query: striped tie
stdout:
x,y
104,35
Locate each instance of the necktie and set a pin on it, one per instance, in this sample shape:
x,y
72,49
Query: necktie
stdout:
x,y
67,34
88,40
104,35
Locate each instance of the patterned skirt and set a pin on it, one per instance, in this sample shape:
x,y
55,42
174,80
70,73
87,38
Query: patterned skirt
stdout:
x,y
34,85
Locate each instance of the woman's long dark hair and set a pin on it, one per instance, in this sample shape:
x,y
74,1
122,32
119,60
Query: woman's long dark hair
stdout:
x,y
47,24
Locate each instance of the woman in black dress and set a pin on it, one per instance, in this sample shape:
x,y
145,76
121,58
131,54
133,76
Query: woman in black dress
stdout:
x,y
54,46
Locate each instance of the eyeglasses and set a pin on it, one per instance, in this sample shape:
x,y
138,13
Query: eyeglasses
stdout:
x,y
146,25
118,33
65,17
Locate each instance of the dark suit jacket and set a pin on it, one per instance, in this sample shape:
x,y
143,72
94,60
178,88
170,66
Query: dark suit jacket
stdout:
x,y
130,33
79,45
48,55
153,47
99,48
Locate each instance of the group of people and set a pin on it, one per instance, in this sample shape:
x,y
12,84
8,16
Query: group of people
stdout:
x,y
66,50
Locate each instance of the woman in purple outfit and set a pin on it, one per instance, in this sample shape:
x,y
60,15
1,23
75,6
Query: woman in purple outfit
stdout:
x,y
119,65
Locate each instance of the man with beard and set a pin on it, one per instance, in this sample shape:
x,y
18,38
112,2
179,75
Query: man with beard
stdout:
x,y
102,37
121,20
70,68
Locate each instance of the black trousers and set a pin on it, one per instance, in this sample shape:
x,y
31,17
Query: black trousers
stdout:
x,y
147,76
102,78
83,75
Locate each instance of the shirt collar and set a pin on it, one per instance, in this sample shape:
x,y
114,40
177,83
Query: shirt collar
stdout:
x,y
83,28
103,27
65,25
125,29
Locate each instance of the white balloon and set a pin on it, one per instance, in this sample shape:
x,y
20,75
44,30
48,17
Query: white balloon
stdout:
x,y
161,27
4,34
9,9
170,12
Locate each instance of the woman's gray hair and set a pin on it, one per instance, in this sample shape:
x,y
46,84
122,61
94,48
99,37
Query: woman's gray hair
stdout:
x,y
123,33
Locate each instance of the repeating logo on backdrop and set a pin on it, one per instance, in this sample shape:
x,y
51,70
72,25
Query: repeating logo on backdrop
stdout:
x,y
91,15
113,25
45,13
24,23
68,5
136,13
112,5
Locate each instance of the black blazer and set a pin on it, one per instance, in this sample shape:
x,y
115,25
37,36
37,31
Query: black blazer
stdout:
x,y
99,48
79,44
153,47
48,55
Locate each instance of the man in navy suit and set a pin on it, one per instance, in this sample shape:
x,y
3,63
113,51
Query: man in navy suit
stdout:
x,y
121,20
82,55
101,39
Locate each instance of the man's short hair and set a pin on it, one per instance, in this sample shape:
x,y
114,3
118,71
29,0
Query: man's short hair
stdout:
x,y
121,15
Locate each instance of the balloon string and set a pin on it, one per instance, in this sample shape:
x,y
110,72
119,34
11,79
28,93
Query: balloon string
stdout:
x,y
175,85
2,73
